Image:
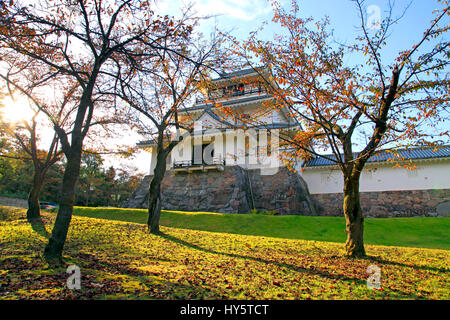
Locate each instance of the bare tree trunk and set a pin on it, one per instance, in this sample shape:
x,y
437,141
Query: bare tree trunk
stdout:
x,y
354,245
53,250
34,211
154,199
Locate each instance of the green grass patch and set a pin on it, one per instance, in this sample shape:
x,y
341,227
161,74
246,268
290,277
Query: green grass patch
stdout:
x,y
120,260
404,232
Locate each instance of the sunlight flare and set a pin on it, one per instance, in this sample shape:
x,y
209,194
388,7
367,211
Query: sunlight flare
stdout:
x,y
16,110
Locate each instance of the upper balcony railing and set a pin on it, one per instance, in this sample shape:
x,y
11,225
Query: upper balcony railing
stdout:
x,y
232,93
192,164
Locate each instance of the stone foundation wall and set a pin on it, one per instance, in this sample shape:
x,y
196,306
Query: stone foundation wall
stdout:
x,y
391,203
285,192
234,190
14,202
215,191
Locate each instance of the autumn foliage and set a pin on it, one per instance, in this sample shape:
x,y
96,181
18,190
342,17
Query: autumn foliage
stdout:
x,y
349,99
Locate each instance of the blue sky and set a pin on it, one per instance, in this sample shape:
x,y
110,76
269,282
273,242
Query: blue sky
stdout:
x,y
244,16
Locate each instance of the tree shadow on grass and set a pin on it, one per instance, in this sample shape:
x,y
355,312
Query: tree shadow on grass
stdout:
x,y
38,226
404,265
309,271
114,283
273,262
159,289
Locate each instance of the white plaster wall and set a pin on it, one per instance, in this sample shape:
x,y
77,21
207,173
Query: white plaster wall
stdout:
x,y
427,175
225,146
234,145
182,151
219,147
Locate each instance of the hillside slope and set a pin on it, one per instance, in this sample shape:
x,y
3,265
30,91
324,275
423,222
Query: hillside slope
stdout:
x,y
121,260
404,232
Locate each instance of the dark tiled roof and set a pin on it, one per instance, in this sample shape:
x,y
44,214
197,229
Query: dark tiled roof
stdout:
x,y
276,126
258,127
383,155
238,73
144,143
226,103
150,142
217,118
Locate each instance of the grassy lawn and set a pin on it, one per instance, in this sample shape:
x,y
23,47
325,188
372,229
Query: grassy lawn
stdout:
x,y
405,232
120,260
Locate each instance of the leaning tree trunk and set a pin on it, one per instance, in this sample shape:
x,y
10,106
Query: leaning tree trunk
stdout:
x,y
34,211
354,246
154,199
53,250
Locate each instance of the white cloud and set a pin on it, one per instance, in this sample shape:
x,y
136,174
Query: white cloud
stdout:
x,y
244,10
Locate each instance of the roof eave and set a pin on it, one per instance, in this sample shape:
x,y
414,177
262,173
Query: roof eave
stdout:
x,y
380,163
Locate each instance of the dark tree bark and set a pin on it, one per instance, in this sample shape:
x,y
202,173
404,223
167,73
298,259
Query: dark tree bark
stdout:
x,y
53,250
354,246
34,211
154,199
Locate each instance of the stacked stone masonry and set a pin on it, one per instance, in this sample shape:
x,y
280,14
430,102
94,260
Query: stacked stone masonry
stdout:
x,y
409,203
234,190
237,190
